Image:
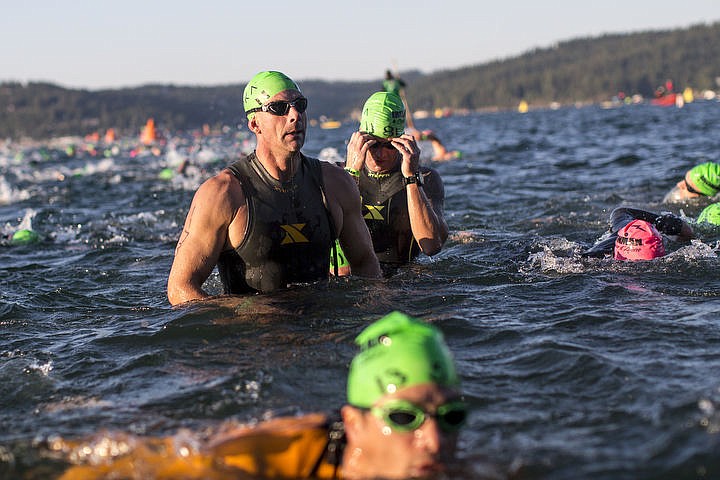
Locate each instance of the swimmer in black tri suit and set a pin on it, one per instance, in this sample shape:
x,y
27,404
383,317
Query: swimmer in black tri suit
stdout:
x,y
402,202
271,219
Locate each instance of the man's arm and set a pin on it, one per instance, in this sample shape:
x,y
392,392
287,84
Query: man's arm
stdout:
x,y
346,209
204,236
425,205
426,216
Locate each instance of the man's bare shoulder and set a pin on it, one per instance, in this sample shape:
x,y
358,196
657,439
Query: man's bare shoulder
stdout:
x,y
338,183
334,174
223,186
329,168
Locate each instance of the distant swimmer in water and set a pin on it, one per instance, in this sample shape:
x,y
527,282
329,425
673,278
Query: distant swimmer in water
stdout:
x,y
701,181
639,235
393,84
402,202
440,152
271,219
402,419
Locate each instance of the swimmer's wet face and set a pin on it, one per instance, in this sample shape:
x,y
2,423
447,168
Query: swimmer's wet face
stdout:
x,y
381,145
383,155
689,188
405,408
410,434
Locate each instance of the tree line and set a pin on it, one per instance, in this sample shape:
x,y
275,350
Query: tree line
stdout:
x,y
582,70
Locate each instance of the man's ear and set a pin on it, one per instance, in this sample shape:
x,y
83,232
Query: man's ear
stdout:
x,y
253,125
352,419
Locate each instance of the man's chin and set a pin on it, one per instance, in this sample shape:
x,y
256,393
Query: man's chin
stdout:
x,y
677,195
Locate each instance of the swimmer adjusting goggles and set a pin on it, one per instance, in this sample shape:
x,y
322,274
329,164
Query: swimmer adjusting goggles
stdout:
x,y
281,107
404,416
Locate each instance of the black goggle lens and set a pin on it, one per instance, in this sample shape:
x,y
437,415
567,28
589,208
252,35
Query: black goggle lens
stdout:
x,y
404,416
282,107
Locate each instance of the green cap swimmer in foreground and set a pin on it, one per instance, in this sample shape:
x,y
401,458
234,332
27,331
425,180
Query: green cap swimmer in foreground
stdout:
x,y
402,421
404,405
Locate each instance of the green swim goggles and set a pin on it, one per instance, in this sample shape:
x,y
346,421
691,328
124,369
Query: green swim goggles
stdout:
x,y
404,416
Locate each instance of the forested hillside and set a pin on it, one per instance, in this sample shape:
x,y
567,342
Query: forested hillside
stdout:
x,y
581,70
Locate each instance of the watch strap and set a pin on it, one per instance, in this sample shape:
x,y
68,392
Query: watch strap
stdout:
x,y
417,178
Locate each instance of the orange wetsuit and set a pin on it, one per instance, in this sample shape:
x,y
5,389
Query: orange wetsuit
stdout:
x,y
298,447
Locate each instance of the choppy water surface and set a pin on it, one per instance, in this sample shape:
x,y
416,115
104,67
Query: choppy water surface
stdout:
x,y
576,368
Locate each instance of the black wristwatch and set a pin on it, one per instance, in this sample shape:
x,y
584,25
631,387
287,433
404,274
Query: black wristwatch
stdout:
x,y
417,178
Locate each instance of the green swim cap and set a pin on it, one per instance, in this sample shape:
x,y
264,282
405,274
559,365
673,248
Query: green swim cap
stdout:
x,y
24,237
383,115
263,86
396,352
711,214
704,178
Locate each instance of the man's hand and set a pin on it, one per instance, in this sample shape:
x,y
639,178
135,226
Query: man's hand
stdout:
x,y
410,151
668,224
357,150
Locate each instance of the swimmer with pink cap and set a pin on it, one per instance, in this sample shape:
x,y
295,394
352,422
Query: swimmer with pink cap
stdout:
x,y
636,234
639,240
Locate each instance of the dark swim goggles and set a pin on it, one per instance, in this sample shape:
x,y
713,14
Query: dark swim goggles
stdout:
x,y
404,416
383,146
281,107
691,189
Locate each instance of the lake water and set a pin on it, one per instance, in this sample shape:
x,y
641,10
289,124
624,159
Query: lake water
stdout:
x,y
575,368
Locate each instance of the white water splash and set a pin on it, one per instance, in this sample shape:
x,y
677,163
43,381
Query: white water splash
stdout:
x,y
558,255
43,368
9,195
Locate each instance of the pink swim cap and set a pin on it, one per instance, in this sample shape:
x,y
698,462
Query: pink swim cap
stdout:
x,y
639,240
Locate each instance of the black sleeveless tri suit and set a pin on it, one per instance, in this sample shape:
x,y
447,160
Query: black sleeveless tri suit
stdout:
x,y
385,210
289,233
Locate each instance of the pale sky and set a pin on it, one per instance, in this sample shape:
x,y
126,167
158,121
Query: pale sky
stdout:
x,y
103,44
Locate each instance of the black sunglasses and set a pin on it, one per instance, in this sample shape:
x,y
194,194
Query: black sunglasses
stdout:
x,y
281,107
